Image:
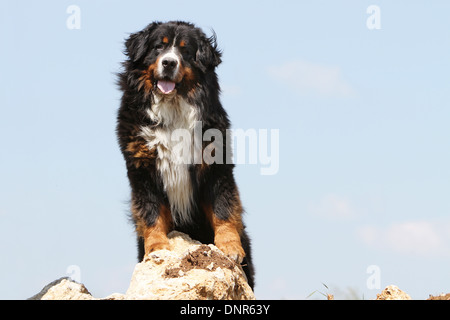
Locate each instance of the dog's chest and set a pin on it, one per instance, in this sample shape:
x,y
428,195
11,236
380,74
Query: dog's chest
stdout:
x,y
173,140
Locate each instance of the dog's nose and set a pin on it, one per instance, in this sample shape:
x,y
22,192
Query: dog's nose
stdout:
x,y
169,63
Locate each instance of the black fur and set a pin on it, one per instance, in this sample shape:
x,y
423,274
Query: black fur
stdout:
x,y
213,184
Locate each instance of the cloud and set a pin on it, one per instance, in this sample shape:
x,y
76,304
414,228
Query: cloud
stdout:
x,y
312,78
333,207
418,238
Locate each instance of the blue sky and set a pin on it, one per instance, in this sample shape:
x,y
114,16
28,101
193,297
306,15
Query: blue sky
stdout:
x,y
364,138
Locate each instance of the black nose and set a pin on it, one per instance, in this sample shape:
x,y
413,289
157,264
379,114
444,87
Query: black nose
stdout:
x,y
169,63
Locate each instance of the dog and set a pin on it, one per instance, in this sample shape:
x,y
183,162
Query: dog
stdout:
x,y
169,83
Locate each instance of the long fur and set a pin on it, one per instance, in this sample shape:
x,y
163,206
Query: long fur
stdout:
x,y
202,199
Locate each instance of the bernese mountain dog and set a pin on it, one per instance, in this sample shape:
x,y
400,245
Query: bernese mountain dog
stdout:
x,y
169,83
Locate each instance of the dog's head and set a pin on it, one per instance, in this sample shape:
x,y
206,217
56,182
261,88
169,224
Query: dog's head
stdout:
x,y
171,57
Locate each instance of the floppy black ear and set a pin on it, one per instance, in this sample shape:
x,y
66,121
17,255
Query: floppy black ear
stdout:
x,y
208,56
137,44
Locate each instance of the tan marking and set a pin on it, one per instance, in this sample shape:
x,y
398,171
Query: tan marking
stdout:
x,y
155,236
146,78
189,79
142,155
226,232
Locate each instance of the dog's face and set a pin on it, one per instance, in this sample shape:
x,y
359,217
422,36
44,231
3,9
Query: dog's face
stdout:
x,y
171,57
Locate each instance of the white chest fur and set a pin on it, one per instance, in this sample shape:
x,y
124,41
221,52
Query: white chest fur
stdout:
x,y
174,154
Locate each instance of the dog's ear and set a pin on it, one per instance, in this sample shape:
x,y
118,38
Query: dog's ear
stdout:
x,y
138,43
208,55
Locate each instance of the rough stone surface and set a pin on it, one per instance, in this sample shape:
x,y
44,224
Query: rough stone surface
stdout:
x,y
442,296
190,270
393,293
63,289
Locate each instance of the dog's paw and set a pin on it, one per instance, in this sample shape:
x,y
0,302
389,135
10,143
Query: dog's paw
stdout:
x,y
233,250
155,246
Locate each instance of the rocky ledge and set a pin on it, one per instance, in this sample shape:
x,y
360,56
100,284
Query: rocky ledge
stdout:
x,y
190,270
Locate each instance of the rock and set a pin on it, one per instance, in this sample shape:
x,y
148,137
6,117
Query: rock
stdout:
x,y
393,293
190,270
63,289
442,296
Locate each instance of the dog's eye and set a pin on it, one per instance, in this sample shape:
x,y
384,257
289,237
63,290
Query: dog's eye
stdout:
x,y
159,46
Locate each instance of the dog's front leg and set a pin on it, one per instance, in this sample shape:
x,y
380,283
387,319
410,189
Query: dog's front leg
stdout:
x,y
153,223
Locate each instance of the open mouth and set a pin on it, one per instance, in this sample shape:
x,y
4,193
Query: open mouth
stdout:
x,y
165,86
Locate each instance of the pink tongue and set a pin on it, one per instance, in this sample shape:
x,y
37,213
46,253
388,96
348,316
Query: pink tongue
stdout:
x,y
166,86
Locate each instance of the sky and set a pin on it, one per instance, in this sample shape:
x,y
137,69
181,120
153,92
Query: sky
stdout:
x,y
358,92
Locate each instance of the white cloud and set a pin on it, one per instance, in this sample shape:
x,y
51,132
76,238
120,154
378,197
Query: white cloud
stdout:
x,y
333,207
312,78
419,238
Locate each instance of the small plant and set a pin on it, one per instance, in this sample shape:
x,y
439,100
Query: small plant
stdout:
x,y
326,295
